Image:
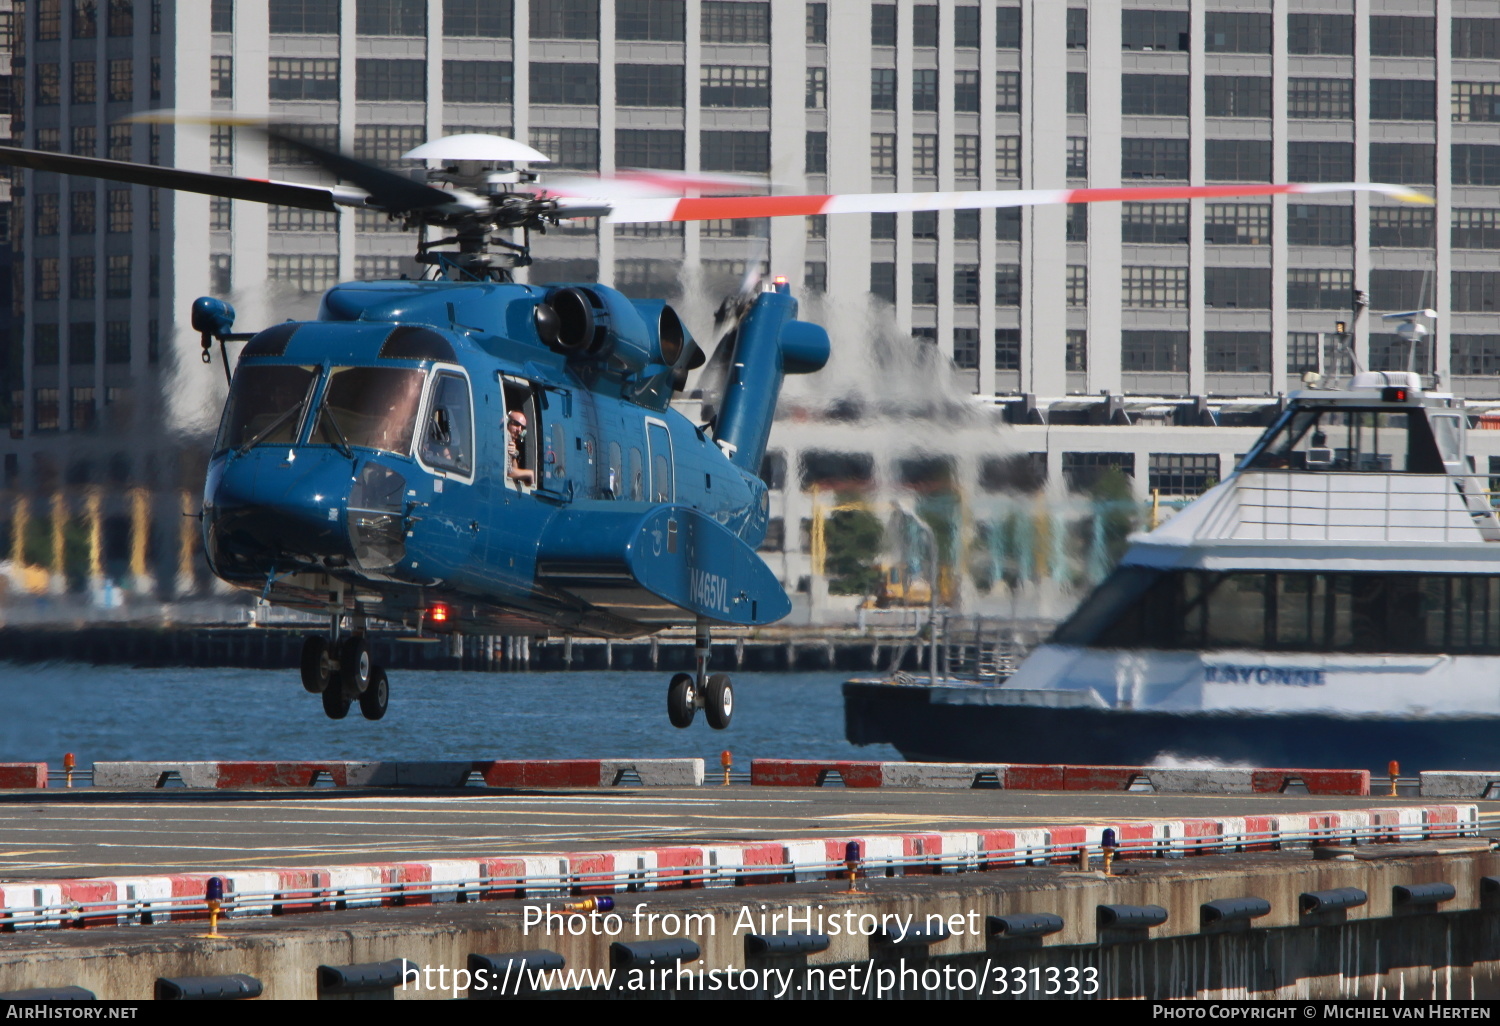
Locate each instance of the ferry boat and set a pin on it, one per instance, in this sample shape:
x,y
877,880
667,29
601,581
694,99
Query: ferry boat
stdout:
x,y
1334,602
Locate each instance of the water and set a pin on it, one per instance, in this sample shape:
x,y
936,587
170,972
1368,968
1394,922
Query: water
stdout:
x,y
104,713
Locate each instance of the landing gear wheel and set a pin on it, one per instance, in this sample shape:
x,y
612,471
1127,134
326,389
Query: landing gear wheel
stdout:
x,y
373,701
719,702
355,665
317,664
680,705
335,702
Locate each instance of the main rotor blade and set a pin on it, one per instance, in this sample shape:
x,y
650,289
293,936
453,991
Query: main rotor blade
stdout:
x,y
256,190
388,190
716,208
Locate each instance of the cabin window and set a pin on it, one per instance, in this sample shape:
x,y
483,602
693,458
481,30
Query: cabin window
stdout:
x,y
637,476
614,481
369,408
1344,439
1195,610
558,456
448,437
265,406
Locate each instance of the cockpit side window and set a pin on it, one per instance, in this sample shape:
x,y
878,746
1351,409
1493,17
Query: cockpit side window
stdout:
x,y
448,435
1349,439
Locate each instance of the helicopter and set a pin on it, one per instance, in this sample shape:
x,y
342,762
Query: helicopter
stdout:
x,y
467,453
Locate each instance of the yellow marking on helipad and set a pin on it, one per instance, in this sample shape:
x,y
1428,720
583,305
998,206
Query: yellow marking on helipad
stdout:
x,y
36,851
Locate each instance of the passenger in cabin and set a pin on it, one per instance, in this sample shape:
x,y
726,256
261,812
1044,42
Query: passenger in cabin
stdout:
x,y
515,433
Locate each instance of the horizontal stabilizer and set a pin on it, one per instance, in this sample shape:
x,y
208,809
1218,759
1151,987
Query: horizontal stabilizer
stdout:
x,y
668,565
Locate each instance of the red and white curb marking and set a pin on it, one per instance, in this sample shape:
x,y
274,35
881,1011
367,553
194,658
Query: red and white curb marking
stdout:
x,y
154,899
496,773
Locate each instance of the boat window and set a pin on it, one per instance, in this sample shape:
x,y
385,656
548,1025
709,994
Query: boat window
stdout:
x,y
1140,608
265,406
447,441
369,408
1328,438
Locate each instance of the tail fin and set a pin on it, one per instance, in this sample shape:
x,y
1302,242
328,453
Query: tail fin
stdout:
x,y
771,343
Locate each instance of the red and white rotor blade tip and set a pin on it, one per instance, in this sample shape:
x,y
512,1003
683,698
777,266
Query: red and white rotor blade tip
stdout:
x,y
728,207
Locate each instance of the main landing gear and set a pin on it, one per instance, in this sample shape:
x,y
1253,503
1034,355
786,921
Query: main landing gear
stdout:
x,y
689,692
343,673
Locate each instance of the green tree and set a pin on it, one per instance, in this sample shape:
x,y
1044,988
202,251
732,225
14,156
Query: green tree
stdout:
x,y
852,539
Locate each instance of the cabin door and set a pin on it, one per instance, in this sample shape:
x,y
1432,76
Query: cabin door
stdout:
x,y
659,454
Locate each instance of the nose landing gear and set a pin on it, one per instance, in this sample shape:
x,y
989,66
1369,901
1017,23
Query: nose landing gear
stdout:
x,y
687,693
341,679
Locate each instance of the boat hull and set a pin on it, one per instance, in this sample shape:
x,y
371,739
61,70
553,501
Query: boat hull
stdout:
x,y
978,723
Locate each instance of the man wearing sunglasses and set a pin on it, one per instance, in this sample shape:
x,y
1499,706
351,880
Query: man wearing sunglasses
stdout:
x,y
515,434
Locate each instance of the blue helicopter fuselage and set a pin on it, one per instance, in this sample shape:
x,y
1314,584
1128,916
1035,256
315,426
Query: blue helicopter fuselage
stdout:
x,y
362,462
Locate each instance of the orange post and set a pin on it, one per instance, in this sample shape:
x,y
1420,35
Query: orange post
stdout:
x,y
68,764
727,761
1394,769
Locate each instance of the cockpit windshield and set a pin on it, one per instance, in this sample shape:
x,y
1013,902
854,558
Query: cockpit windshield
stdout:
x,y
1342,438
265,406
369,408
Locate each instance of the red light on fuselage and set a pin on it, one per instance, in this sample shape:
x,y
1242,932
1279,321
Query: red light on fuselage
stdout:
x,y
438,614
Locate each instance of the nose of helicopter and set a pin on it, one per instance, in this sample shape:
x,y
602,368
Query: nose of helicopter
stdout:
x,y
277,508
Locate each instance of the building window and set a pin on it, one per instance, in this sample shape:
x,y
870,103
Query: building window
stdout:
x,y
966,224
1078,285
1474,355
966,285
1320,161
924,89
1008,28
1155,287
221,16
220,146
1154,223
85,19
326,137
1410,227
117,279
883,25
1237,160
48,85
966,28
732,21
1154,30
1076,227
1403,99
155,78
882,88
1402,36
121,212
649,85
45,345
85,141
48,20
1154,352
649,148
1237,288
924,287
1238,96
1400,290
734,87
883,281
1083,470
1008,224
1302,352
399,17
45,218
1078,92
815,276
1473,228
45,405
578,148
82,209
1476,291
1154,158
303,272
1233,32
924,155
1320,224
1476,164
81,342
221,77
1407,163
1007,92
120,138
736,151
1319,289
321,17
966,91
117,342
1324,99
1320,34
487,18
1476,39
924,224
1154,95
817,24
924,25
407,80
1077,32
1007,156
47,140
304,78
816,153
85,82
220,214
48,278
966,348
1389,352
817,89
1007,349
122,80
882,153
1077,355
1076,164
1184,473
1476,101
966,156
82,277
1007,284
298,219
